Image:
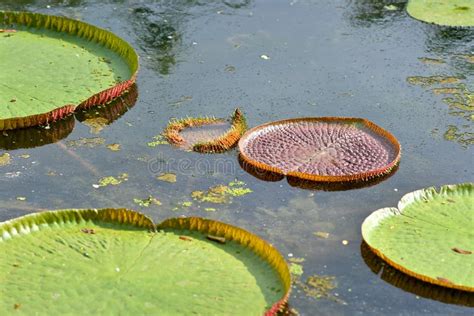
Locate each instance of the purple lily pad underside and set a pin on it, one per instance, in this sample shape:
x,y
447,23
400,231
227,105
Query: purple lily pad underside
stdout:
x,y
319,148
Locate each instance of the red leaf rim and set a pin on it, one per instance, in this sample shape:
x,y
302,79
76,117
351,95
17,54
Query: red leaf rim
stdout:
x,y
80,29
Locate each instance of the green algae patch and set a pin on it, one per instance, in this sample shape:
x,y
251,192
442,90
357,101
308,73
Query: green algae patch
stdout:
x,y
428,224
432,80
5,159
296,269
220,194
453,133
108,261
458,13
52,66
150,200
110,180
460,99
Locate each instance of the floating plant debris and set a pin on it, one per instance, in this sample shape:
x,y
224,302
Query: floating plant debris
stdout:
x,y
167,177
432,80
325,149
208,134
83,251
424,226
323,235
95,66
460,100
318,287
443,12
5,159
222,193
431,61
150,200
86,142
114,147
454,134
106,181
296,269
158,140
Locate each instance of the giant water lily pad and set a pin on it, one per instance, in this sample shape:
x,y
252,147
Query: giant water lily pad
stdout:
x,y
321,149
430,235
52,66
116,261
443,12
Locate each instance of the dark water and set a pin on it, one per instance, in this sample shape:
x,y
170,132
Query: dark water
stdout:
x,y
326,58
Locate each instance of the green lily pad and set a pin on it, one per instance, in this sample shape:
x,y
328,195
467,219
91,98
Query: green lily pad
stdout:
x,y
443,12
111,261
52,66
430,236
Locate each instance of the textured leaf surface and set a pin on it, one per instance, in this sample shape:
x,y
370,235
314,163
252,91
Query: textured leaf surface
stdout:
x,y
53,66
443,12
43,70
424,236
326,149
94,263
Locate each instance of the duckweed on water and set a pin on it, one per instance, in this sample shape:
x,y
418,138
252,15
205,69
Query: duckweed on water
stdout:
x,y
5,159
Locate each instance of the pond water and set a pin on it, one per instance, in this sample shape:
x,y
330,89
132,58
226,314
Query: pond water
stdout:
x,y
274,59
